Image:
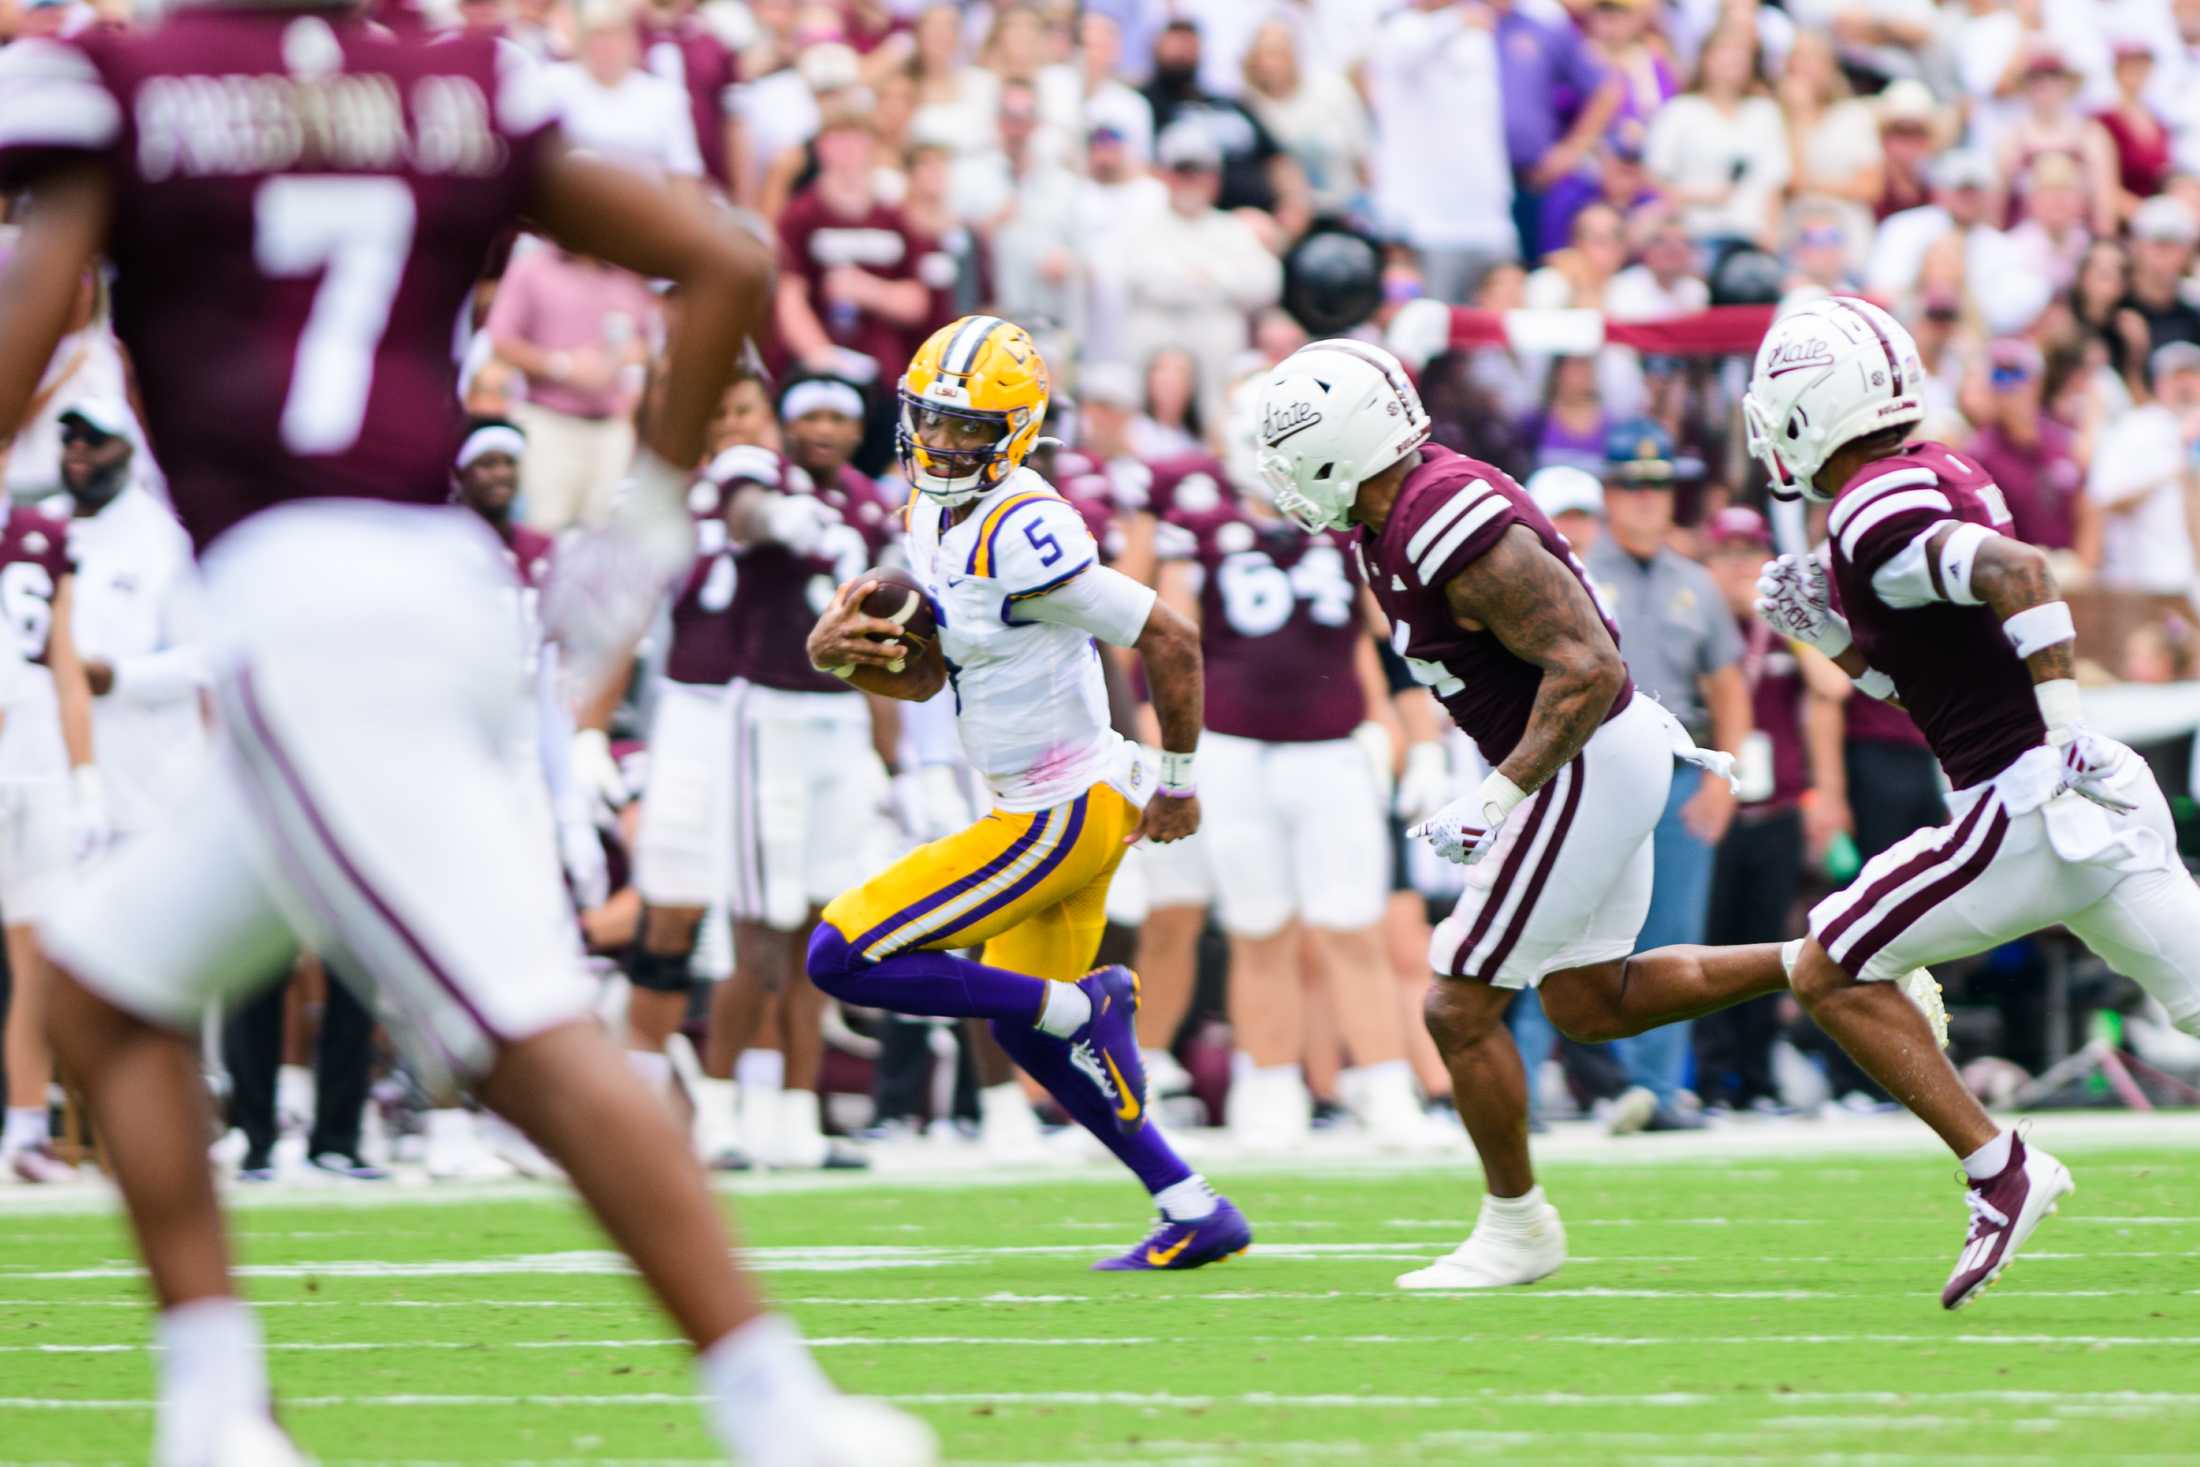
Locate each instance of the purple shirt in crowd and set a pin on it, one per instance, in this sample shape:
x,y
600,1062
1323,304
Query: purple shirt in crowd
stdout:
x,y
1539,64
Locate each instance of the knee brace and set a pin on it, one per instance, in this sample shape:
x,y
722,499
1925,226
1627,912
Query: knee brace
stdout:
x,y
831,962
659,972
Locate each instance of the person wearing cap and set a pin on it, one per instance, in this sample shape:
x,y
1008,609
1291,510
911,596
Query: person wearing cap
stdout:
x,y
1573,500
2030,454
2142,472
2050,241
1111,104
1792,804
1910,124
1683,650
1965,202
2155,312
2051,123
1198,270
1253,172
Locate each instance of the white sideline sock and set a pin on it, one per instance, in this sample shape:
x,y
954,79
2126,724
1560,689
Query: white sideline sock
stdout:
x,y
212,1369
26,1126
1521,1209
760,1069
1990,1160
752,1379
1065,1011
1186,1201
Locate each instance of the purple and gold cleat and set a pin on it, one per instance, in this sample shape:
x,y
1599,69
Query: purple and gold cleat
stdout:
x,y
1220,1235
1106,1052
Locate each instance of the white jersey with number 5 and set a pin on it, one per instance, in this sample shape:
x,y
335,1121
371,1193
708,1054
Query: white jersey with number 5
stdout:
x,y
1020,595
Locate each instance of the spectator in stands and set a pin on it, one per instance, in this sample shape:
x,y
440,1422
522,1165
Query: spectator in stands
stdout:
x,y
1571,427
1833,140
954,98
2155,313
1964,206
679,48
2134,128
2104,279
1682,649
2030,455
1024,205
1664,280
1720,149
1255,172
1442,182
1110,103
1171,413
1198,270
87,365
1623,179
580,333
609,106
1580,275
1626,48
2142,476
1817,253
2051,240
856,282
1909,135
1545,75
2052,123
1312,111
1018,50
1792,801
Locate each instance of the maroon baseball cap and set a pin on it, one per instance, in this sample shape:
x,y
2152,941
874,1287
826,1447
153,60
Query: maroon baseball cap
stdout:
x,y
1737,524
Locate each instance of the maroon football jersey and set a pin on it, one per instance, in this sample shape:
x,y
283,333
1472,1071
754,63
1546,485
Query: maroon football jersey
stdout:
x,y
688,55
1450,512
779,595
1952,667
34,557
1192,485
1279,625
1087,486
302,204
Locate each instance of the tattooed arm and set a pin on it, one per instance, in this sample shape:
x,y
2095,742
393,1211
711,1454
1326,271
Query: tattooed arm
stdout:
x,y
1530,601
2010,576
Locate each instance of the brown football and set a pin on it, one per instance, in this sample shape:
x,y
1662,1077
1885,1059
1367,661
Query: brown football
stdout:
x,y
899,597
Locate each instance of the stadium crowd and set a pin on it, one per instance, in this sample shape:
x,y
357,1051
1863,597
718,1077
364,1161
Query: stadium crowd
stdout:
x,y
1170,195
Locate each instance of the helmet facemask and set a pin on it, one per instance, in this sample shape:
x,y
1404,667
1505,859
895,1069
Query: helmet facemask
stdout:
x,y
960,474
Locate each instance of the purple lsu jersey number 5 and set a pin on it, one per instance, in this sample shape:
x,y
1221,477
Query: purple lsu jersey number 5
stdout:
x,y
313,198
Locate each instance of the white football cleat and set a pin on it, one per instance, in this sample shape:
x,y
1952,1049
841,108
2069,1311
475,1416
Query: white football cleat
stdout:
x,y
1165,1075
1269,1109
1382,1099
852,1432
1500,1252
455,1151
1923,989
1008,1126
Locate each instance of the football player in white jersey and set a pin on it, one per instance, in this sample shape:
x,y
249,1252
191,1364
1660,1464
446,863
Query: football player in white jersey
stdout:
x,y
1019,597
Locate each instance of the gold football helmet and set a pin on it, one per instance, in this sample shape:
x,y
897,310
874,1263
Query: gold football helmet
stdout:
x,y
972,402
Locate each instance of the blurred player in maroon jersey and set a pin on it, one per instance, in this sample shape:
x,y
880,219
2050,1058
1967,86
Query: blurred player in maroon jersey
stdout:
x,y
287,288
1930,601
1294,839
53,805
1493,612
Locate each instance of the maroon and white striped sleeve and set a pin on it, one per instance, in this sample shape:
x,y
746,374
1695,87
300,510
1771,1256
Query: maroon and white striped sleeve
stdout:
x,y
1882,516
55,108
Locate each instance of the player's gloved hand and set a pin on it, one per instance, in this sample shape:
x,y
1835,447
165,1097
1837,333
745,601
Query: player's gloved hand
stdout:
x,y
605,583
2090,763
1426,783
91,829
1463,831
1795,599
798,521
587,871
928,803
598,775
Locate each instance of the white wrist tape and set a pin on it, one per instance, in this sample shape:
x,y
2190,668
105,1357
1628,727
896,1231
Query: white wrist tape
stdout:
x,y
1176,775
1498,796
2039,627
2060,708
1875,684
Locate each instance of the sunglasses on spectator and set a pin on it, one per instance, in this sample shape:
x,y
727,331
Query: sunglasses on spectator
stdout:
x,y
1825,235
1193,170
1941,313
2007,375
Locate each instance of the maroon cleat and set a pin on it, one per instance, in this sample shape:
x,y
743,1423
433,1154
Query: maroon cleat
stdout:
x,y
2004,1210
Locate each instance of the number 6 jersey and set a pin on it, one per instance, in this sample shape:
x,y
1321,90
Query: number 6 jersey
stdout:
x,y
308,196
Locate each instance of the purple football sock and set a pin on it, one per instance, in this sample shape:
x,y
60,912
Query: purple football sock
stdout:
x,y
940,984
1046,1059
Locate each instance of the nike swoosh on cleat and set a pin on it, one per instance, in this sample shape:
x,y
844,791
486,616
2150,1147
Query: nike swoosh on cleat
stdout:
x,y
1127,1110
1163,1257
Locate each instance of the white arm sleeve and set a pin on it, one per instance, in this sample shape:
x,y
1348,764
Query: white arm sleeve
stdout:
x,y
1914,576
1102,601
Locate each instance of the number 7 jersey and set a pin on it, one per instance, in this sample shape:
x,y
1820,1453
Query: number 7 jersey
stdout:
x,y
311,197
1031,703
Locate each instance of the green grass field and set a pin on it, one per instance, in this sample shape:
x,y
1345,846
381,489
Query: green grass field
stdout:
x,y
1749,1311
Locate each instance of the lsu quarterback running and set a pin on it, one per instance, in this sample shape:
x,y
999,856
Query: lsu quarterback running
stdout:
x,y
1019,595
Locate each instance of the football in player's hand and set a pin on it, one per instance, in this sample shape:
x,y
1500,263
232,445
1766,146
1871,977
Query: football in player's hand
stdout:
x,y
899,597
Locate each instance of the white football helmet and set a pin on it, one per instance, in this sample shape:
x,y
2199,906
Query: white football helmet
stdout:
x,y
1829,372
1333,414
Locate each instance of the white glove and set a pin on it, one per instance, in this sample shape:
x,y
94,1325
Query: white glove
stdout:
x,y
1795,599
605,583
598,776
1463,831
91,829
586,870
798,521
2090,763
1426,783
928,803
